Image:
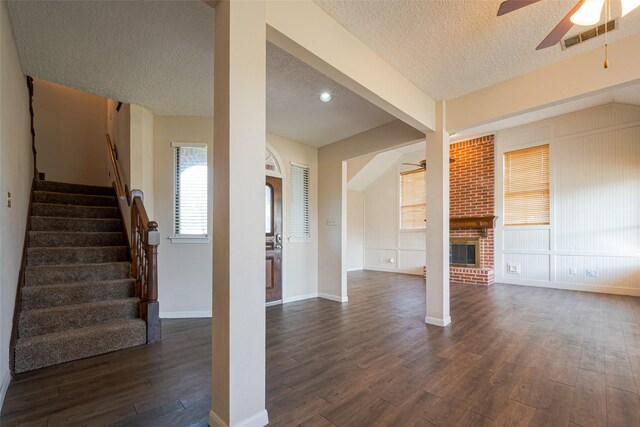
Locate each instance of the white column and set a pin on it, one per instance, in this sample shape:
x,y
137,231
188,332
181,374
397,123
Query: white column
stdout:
x,y
438,221
238,367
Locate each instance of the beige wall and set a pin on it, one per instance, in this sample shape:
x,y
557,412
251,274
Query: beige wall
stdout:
x,y
185,268
70,127
355,230
16,172
300,279
332,193
142,148
184,275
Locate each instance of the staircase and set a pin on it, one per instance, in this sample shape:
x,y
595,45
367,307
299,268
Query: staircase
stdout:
x,y
78,298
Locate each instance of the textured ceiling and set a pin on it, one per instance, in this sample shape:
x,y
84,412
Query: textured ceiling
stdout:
x,y
159,54
156,54
452,47
294,111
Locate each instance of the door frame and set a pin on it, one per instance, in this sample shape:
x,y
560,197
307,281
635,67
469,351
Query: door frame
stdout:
x,y
285,229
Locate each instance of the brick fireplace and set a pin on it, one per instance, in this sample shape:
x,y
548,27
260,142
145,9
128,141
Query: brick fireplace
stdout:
x,y
472,195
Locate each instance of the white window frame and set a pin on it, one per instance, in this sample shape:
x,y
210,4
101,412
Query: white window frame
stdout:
x,y
308,237
185,238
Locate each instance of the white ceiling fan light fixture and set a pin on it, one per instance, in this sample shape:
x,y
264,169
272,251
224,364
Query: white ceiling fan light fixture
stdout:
x,y
629,6
325,97
589,13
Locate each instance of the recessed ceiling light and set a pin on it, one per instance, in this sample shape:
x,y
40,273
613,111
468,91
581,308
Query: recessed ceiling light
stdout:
x,y
325,97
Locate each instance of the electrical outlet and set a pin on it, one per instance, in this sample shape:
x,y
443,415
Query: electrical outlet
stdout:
x,y
513,268
592,273
573,271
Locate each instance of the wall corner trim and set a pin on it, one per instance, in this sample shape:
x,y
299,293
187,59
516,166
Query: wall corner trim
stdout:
x,y
259,419
333,297
437,321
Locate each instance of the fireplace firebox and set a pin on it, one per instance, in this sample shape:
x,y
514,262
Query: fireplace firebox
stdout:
x,y
464,252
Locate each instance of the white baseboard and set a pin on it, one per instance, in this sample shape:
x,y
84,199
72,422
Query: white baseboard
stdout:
x,y
300,297
333,297
260,419
4,386
184,314
411,271
437,321
573,287
355,269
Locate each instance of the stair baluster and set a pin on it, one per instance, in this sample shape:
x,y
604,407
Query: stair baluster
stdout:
x,y
145,239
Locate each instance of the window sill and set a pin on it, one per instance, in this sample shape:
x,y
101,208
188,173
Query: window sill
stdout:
x,y
183,240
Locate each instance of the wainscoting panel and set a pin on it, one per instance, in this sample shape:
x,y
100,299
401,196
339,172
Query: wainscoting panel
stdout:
x,y
530,239
593,240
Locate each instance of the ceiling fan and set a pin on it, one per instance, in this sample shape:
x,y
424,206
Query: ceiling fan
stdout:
x,y
423,163
585,12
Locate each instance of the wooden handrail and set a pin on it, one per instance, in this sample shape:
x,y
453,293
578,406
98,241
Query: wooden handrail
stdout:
x,y
33,130
144,242
114,165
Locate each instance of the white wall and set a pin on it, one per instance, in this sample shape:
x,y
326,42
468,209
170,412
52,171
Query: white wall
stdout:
x,y
386,247
300,279
16,173
595,204
184,269
355,230
70,129
141,175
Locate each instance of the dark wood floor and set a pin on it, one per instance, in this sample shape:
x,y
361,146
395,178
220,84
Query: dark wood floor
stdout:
x,y
512,356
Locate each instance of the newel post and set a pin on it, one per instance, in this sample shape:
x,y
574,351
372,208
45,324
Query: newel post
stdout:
x,y
154,331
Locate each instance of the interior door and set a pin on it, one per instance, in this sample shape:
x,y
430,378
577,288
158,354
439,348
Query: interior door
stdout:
x,y
273,233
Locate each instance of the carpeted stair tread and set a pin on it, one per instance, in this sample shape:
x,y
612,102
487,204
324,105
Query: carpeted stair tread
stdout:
x,y
51,349
36,297
76,255
46,223
74,211
73,199
63,187
78,298
56,319
40,239
39,275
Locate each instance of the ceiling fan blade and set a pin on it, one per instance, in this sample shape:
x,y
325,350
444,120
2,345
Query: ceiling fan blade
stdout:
x,y
511,5
561,29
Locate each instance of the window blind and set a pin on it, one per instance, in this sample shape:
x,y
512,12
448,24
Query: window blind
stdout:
x,y
526,186
191,201
299,202
413,197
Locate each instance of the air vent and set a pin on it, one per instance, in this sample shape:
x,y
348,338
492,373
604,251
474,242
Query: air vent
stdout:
x,y
589,34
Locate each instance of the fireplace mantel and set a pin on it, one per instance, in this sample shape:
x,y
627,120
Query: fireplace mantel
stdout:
x,y
483,223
